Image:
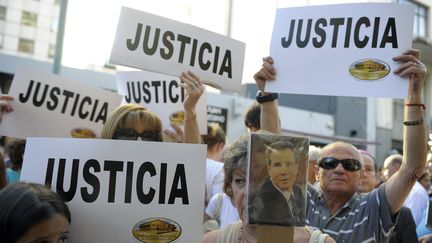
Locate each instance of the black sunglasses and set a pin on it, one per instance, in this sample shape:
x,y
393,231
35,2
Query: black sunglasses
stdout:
x,y
131,134
329,163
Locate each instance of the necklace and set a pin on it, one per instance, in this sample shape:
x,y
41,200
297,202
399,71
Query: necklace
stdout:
x,y
247,234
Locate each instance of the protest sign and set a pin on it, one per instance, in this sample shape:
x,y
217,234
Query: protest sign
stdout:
x,y
123,191
161,94
277,179
53,106
217,115
158,44
341,50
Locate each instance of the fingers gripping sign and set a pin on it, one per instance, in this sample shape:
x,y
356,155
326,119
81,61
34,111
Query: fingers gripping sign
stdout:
x,y
413,68
194,89
5,106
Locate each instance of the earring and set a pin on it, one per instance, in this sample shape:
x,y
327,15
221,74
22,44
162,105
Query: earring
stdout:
x,y
229,190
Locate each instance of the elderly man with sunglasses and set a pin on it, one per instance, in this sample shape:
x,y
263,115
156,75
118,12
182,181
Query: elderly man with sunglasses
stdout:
x,y
337,209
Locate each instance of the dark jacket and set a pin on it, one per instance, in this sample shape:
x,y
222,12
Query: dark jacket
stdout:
x,y
405,228
269,206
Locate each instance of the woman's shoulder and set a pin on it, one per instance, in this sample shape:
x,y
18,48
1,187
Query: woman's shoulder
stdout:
x,y
211,236
226,234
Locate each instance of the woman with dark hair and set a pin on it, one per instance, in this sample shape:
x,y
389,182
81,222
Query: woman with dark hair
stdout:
x,y
3,181
15,148
252,117
215,140
32,213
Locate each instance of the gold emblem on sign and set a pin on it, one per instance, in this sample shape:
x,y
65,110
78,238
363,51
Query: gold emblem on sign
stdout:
x,y
81,132
177,117
369,69
156,230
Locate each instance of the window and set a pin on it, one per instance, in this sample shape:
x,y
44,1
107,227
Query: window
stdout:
x,y
25,45
2,12
51,50
54,25
398,110
29,19
420,18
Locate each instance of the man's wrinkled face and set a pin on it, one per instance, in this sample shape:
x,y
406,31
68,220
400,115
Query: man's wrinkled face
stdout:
x,y
368,175
390,170
283,169
339,180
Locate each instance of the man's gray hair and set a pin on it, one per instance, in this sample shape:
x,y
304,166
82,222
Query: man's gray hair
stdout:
x,y
393,159
314,153
345,145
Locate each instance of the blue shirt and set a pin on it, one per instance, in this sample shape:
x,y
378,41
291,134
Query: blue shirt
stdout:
x,y
12,176
364,218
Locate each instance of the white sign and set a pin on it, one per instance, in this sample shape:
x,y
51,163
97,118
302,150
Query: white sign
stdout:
x,y
48,105
154,43
161,94
342,50
123,191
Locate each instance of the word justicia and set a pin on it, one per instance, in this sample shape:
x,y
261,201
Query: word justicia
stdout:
x,y
362,32
67,102
150,182
156,91
171,46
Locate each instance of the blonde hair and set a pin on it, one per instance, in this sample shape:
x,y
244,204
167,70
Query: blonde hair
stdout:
x,y
127,116
215,135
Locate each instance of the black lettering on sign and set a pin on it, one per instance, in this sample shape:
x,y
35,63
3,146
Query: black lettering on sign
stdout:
x,y
67,195
92,180
64,101
301,30
208,55
91,174
179,192
303,43
156,91
145,198
113,167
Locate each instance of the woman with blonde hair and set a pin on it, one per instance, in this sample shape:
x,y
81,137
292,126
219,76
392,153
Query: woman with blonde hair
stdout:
x,y
127,119
132,122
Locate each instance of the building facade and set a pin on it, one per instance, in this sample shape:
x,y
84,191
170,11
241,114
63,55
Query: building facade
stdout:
x,y
28,28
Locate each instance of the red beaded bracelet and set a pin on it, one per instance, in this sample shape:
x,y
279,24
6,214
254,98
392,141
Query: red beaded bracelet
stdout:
x,y
421,105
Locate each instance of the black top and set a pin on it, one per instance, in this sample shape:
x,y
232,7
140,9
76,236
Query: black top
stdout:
x,y
269,206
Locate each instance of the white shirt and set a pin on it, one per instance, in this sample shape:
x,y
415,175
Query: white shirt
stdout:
x,y
286,193
228,214
417,201
214,178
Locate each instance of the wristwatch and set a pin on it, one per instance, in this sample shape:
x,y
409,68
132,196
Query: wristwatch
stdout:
x,y
266,98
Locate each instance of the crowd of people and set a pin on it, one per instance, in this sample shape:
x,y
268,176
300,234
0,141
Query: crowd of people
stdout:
x,y
347,199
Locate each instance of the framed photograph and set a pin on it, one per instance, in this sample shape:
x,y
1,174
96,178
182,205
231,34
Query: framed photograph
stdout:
x,y
277,177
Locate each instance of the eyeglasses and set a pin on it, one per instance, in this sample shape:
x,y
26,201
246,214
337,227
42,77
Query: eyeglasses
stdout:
x,y
131,134
329,163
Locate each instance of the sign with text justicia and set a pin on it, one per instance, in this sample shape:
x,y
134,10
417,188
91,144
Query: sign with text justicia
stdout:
x,y
158,44
123,191
48,105
342,50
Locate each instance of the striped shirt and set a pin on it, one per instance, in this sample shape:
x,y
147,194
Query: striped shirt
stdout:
x,y
364,218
